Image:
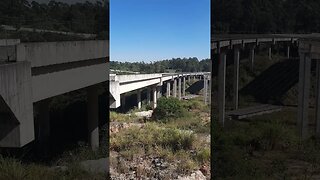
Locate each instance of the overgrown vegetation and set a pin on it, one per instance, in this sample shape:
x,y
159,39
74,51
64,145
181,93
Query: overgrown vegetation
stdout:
x,y
265,16
179,137
168,108
78,17
14,169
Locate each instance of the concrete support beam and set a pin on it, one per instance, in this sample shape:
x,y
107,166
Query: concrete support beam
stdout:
x,y
304,90
168,89
222,86
179,88
139,99
174,88
252,57
154,94
318,100
184,87
93,117
236,78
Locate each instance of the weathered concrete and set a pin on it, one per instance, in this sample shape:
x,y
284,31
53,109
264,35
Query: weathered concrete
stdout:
x,y
184,87
304,90
40,71
148,96
17,129
168,89
222,86
236,78
154,94
139,99
175,88
252,57
270,52
179,88
61,52
318,100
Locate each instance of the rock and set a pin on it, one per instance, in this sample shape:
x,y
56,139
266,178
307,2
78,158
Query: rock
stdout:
x,y
96,166
144,114
194,176
204,169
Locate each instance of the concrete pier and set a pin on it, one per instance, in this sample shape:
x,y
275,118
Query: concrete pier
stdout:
x,y
270,52
205,90
184,87
154,94
236,78
139,99
318,100
221,88
93,117
168,89
174,88
148,96
304,91
179,88
288,51
252,57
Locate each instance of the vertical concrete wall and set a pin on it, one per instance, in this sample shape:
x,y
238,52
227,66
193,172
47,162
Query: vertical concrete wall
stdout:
x,y
16,92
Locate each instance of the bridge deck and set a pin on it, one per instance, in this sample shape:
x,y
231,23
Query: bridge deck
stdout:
x,y
253,111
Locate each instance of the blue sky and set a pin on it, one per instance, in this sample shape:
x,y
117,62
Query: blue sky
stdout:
x,y
151,30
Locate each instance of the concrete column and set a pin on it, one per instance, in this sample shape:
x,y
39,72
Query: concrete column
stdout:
x,y
189,78
210,90
175,88
179,88
159,89
168,89
236,78
205,90
184,87
148,96
318,100
222,86
270,53
194,78
288,51
139,98
154,94
93,117
44,120
303,99
252,57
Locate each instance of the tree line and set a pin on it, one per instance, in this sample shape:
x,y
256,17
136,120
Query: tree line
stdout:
x,y
174,64
265,16
84,17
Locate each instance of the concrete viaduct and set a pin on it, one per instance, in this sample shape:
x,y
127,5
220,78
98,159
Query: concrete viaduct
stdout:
x,y
309,48
120,85
32,73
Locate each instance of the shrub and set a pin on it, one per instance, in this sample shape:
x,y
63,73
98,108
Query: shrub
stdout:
x,y
168,108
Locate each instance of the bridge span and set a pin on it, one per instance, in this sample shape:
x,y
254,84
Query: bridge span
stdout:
x,y
175,84
308,46
32,73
